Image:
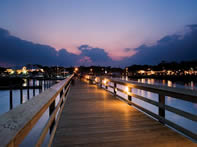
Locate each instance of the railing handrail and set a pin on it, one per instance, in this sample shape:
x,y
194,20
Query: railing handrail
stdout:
x,y
180,93
15,124
162,91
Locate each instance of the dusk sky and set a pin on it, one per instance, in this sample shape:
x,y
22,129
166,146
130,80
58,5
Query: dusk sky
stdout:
x,y
97,32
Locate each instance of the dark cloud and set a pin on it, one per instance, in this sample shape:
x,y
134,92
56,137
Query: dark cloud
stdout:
x,y
97,56
169,48
192,27
16,51
127,49
65,58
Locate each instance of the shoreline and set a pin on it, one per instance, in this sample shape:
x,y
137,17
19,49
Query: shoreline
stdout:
x,y
171,78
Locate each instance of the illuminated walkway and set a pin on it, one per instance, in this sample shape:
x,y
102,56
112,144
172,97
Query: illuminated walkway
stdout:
x,y
94,117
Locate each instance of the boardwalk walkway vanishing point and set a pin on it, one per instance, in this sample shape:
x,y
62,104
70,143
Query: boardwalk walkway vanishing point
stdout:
x,y
94,117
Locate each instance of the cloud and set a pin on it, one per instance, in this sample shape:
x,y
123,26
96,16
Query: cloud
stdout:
x,y
98,56
85,61
128,49
84,47
177,47
15,51
170,48
192,27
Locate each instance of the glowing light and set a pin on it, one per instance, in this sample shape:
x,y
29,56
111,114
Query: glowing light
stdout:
x,y
96,79
152,72
105,81
24,70
76,69
169,83
12,72
141,71
87,77
127,89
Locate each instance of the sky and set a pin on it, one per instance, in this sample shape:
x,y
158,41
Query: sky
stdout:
x,y
91,31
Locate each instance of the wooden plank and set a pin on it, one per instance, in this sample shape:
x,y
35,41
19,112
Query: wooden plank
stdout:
x,y
94,117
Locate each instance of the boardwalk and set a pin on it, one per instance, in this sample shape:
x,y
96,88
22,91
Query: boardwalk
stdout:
x,y
94,117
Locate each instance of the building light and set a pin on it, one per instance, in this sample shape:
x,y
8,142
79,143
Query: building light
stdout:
x,y
141,71
24,70
12,72
152,72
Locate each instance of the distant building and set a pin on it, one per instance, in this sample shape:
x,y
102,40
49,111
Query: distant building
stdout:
x,y
23,70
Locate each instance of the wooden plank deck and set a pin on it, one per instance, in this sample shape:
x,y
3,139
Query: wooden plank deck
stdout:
x,y
94,117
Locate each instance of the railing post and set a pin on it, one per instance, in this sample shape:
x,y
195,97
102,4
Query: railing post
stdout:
x,y
129,92
27,88
51,109
21,93
44,84
90,80
162,108
40,86
34,93
11,99
114,89
106,85
61,93
100,82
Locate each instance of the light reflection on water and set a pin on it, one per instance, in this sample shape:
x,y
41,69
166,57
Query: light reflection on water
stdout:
x,y
189,85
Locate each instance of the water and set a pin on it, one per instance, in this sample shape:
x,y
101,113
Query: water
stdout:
x,y
170,101
5,95
188,85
